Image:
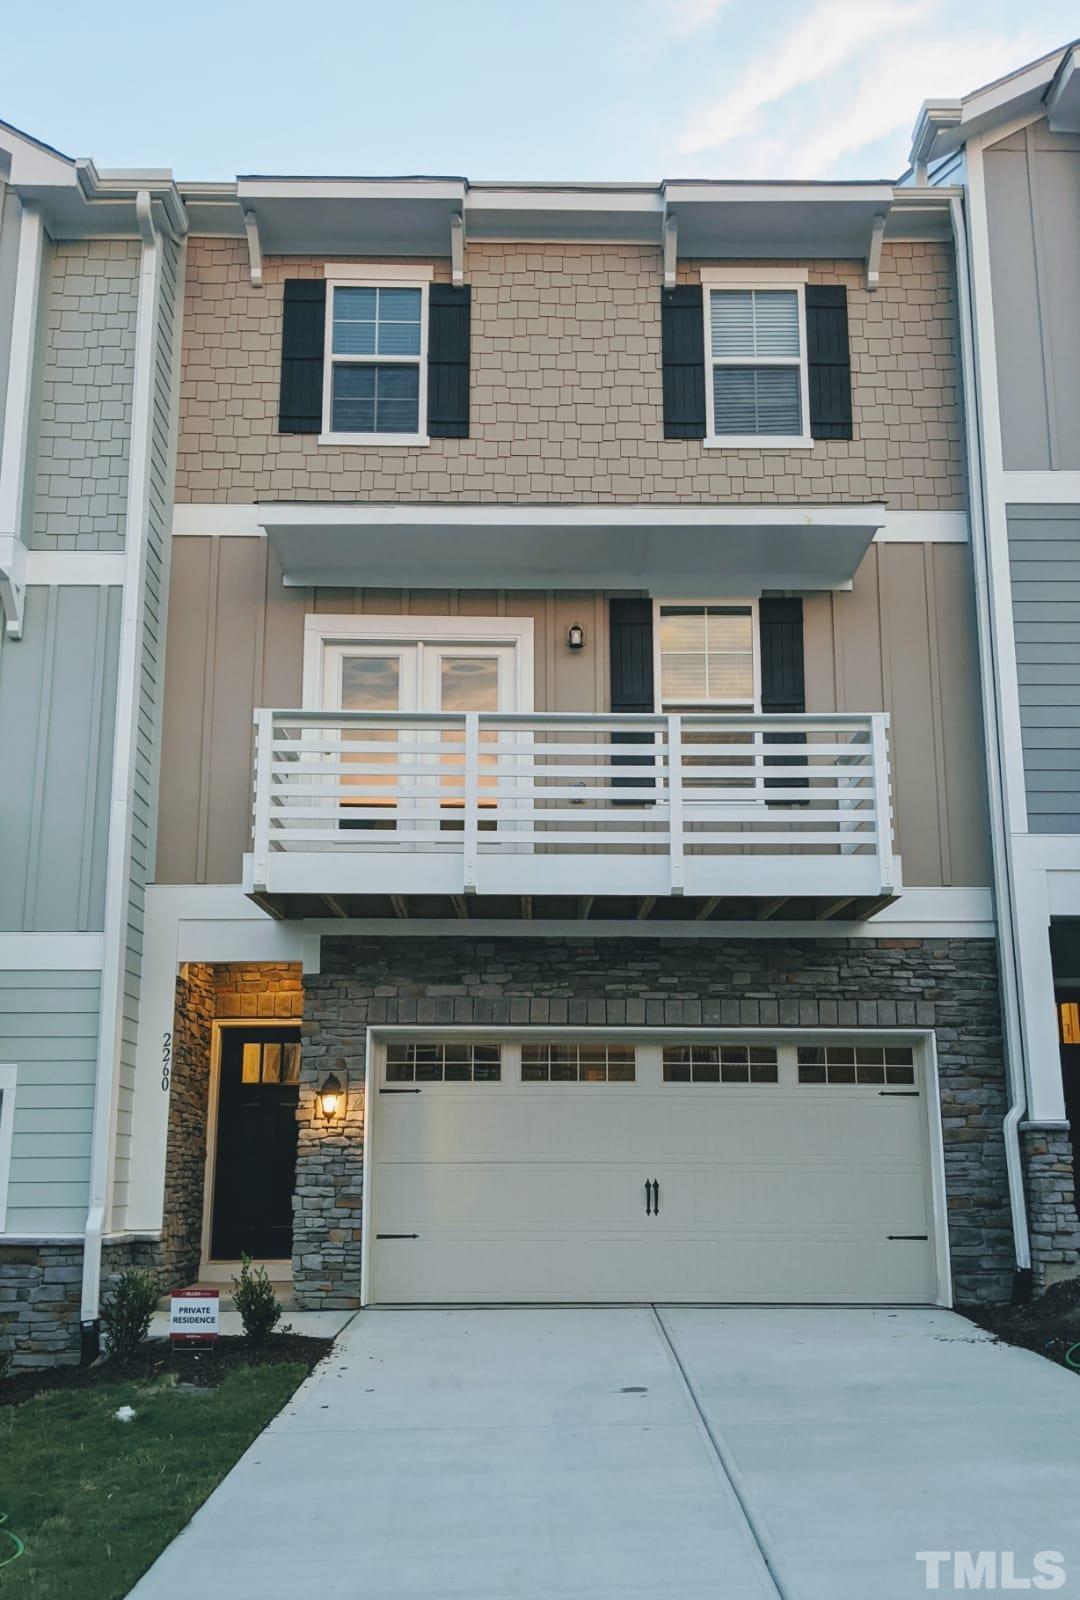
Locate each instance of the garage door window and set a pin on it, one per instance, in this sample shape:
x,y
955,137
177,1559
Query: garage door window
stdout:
x,y
577,1063
443,1063
859,1064
726,1063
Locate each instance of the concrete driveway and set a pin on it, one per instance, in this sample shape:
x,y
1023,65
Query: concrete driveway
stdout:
x,y
619,1453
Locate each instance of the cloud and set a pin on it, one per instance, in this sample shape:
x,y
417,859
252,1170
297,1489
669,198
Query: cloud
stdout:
x,y
883,100
834,32
688,16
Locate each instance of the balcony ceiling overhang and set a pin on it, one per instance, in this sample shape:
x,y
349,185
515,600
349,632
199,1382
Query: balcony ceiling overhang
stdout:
x,y
688,550
776,219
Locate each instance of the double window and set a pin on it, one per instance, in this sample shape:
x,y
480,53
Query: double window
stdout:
x,y
375,375
756,386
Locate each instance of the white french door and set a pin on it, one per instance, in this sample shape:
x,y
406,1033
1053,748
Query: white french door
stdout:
x,y
419,782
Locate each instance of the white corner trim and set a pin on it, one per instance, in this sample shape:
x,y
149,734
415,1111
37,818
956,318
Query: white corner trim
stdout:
x,y
88,568
404,272
8,1075
51,952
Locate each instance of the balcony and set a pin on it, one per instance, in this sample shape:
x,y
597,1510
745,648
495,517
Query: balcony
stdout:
x,y
550,815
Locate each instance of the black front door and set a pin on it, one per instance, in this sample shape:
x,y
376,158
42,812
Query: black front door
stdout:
x,y
255,1165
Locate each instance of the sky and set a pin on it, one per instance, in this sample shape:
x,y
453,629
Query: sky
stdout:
x,y
600,90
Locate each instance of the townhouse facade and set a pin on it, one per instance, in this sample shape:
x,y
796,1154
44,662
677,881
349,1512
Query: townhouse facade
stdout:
x,y
563,863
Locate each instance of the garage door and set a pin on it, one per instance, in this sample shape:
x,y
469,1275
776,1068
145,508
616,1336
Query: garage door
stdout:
x,y
592,1170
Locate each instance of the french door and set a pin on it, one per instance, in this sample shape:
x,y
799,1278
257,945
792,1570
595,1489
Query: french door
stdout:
x,y
419,782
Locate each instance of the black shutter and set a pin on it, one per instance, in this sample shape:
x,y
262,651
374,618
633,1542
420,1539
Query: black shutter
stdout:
x,y
829,360
630,633
783,688
449,316
682,337
303,332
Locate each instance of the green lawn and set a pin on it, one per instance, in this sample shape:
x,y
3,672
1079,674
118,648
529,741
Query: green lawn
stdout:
x,y
95,1500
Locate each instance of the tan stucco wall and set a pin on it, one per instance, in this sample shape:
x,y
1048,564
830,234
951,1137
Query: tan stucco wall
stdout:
x,y
566,391
902,640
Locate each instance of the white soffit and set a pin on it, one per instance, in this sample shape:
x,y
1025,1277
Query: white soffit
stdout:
x,y
776,219
350,216
690,550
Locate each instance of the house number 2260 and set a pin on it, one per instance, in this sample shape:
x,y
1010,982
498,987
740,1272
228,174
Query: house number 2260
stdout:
x,y
166,1061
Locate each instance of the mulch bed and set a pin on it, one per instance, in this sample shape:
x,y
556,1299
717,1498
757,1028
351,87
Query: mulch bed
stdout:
x,y
1050,1325
156,1359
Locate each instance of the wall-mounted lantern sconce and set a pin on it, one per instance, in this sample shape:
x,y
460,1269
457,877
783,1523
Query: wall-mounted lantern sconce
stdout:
x,y
332,1097
575,636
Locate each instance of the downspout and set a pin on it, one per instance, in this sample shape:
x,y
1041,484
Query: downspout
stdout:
x,y
118,868
999,829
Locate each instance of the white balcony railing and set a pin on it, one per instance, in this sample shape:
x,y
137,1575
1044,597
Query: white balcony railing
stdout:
x,y
554,803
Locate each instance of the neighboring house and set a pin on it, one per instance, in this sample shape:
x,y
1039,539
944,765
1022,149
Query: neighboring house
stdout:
x,y
89,289
572,626
1012,151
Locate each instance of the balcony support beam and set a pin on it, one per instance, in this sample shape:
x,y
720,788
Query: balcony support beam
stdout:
x,y
769,908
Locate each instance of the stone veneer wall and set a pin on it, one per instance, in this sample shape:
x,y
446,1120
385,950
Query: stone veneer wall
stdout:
x,y
230,991
566,394
1052,1218
41,1295
949,985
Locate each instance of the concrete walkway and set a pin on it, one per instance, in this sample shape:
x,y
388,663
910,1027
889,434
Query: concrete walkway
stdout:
x,y
577,1454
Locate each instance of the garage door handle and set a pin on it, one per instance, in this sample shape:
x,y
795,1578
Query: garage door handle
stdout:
x,y
648,1198
907,1236
655,1198
399,1091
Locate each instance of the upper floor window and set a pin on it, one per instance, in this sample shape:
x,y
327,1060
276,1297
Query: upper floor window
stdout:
x,y
375,373
708,657
756,387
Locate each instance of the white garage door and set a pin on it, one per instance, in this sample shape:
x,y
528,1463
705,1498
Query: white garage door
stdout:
x,y
591,1171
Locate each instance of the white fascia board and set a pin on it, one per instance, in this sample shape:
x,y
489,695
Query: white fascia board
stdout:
x,y
690,192
254,189
525,197
345,515
923,527
943,125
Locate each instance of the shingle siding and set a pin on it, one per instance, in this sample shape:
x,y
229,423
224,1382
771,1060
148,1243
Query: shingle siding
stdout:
x,y
85,385
566,391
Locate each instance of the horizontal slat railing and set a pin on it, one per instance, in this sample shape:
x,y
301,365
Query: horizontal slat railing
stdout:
x,y
480,786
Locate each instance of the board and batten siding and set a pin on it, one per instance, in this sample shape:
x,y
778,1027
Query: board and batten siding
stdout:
x,y
1044,562
57,710
1033,207
144,801
48,1029
902,640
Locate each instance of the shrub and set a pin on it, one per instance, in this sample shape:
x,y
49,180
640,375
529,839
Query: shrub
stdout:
x,y
258,1305
126,1311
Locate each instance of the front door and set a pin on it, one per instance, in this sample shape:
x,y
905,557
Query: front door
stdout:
x,y
255,1161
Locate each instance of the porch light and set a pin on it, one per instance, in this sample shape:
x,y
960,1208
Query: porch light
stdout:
x,y
575,636
331,1096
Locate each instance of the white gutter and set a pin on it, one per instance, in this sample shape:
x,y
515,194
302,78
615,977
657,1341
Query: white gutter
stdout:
x,y
118,871
999,829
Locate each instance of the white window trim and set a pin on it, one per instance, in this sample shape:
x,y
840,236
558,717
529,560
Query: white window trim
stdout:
x,y
375,275
691,706
762,278
8,1075
321,629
